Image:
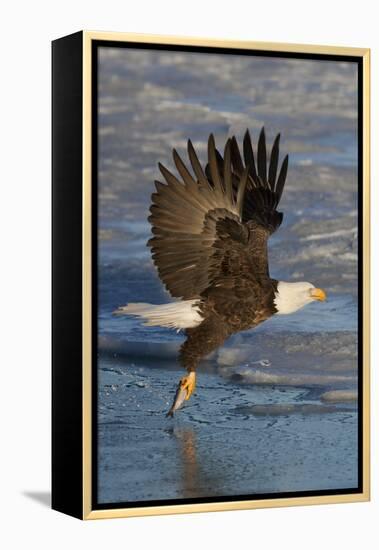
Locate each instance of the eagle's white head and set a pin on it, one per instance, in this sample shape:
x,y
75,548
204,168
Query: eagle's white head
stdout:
x,y
293,296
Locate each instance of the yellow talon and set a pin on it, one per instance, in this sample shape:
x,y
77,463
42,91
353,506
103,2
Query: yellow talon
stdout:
x,y
188,383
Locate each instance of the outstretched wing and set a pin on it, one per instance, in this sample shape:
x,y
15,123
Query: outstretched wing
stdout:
x,y
215,223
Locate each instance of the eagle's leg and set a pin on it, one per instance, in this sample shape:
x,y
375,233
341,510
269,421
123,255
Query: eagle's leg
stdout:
x,y
201,341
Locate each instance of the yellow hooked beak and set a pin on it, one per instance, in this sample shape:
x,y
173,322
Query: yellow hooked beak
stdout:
x,y
318,294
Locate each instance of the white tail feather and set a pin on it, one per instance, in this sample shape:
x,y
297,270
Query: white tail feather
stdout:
x,y
178,315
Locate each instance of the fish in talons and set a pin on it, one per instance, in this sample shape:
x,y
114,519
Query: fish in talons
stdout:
x,y
185,389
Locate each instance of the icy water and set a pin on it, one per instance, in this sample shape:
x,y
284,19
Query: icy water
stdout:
x,y
275,409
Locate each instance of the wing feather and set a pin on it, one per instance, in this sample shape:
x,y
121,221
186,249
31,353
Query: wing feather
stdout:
x,y
213,166
262,156
249,155
274,163
198,170
186,175
236,156
282,178
227,172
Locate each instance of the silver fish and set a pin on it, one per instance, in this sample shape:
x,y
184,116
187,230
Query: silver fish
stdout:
x,y
180,396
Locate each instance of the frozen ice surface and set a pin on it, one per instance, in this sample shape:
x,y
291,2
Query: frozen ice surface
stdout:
x,y
229,439
275,408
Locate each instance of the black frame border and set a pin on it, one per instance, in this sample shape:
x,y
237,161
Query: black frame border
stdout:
x,y
67,253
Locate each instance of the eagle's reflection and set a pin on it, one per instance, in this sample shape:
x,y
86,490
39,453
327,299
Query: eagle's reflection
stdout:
x,y
199,478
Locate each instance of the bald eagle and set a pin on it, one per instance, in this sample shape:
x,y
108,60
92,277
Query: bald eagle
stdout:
x,y
210,231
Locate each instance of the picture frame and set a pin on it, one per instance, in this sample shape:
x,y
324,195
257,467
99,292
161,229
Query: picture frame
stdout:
x,y
75,169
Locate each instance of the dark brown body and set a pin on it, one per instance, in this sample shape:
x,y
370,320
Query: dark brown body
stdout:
x,y
226,311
